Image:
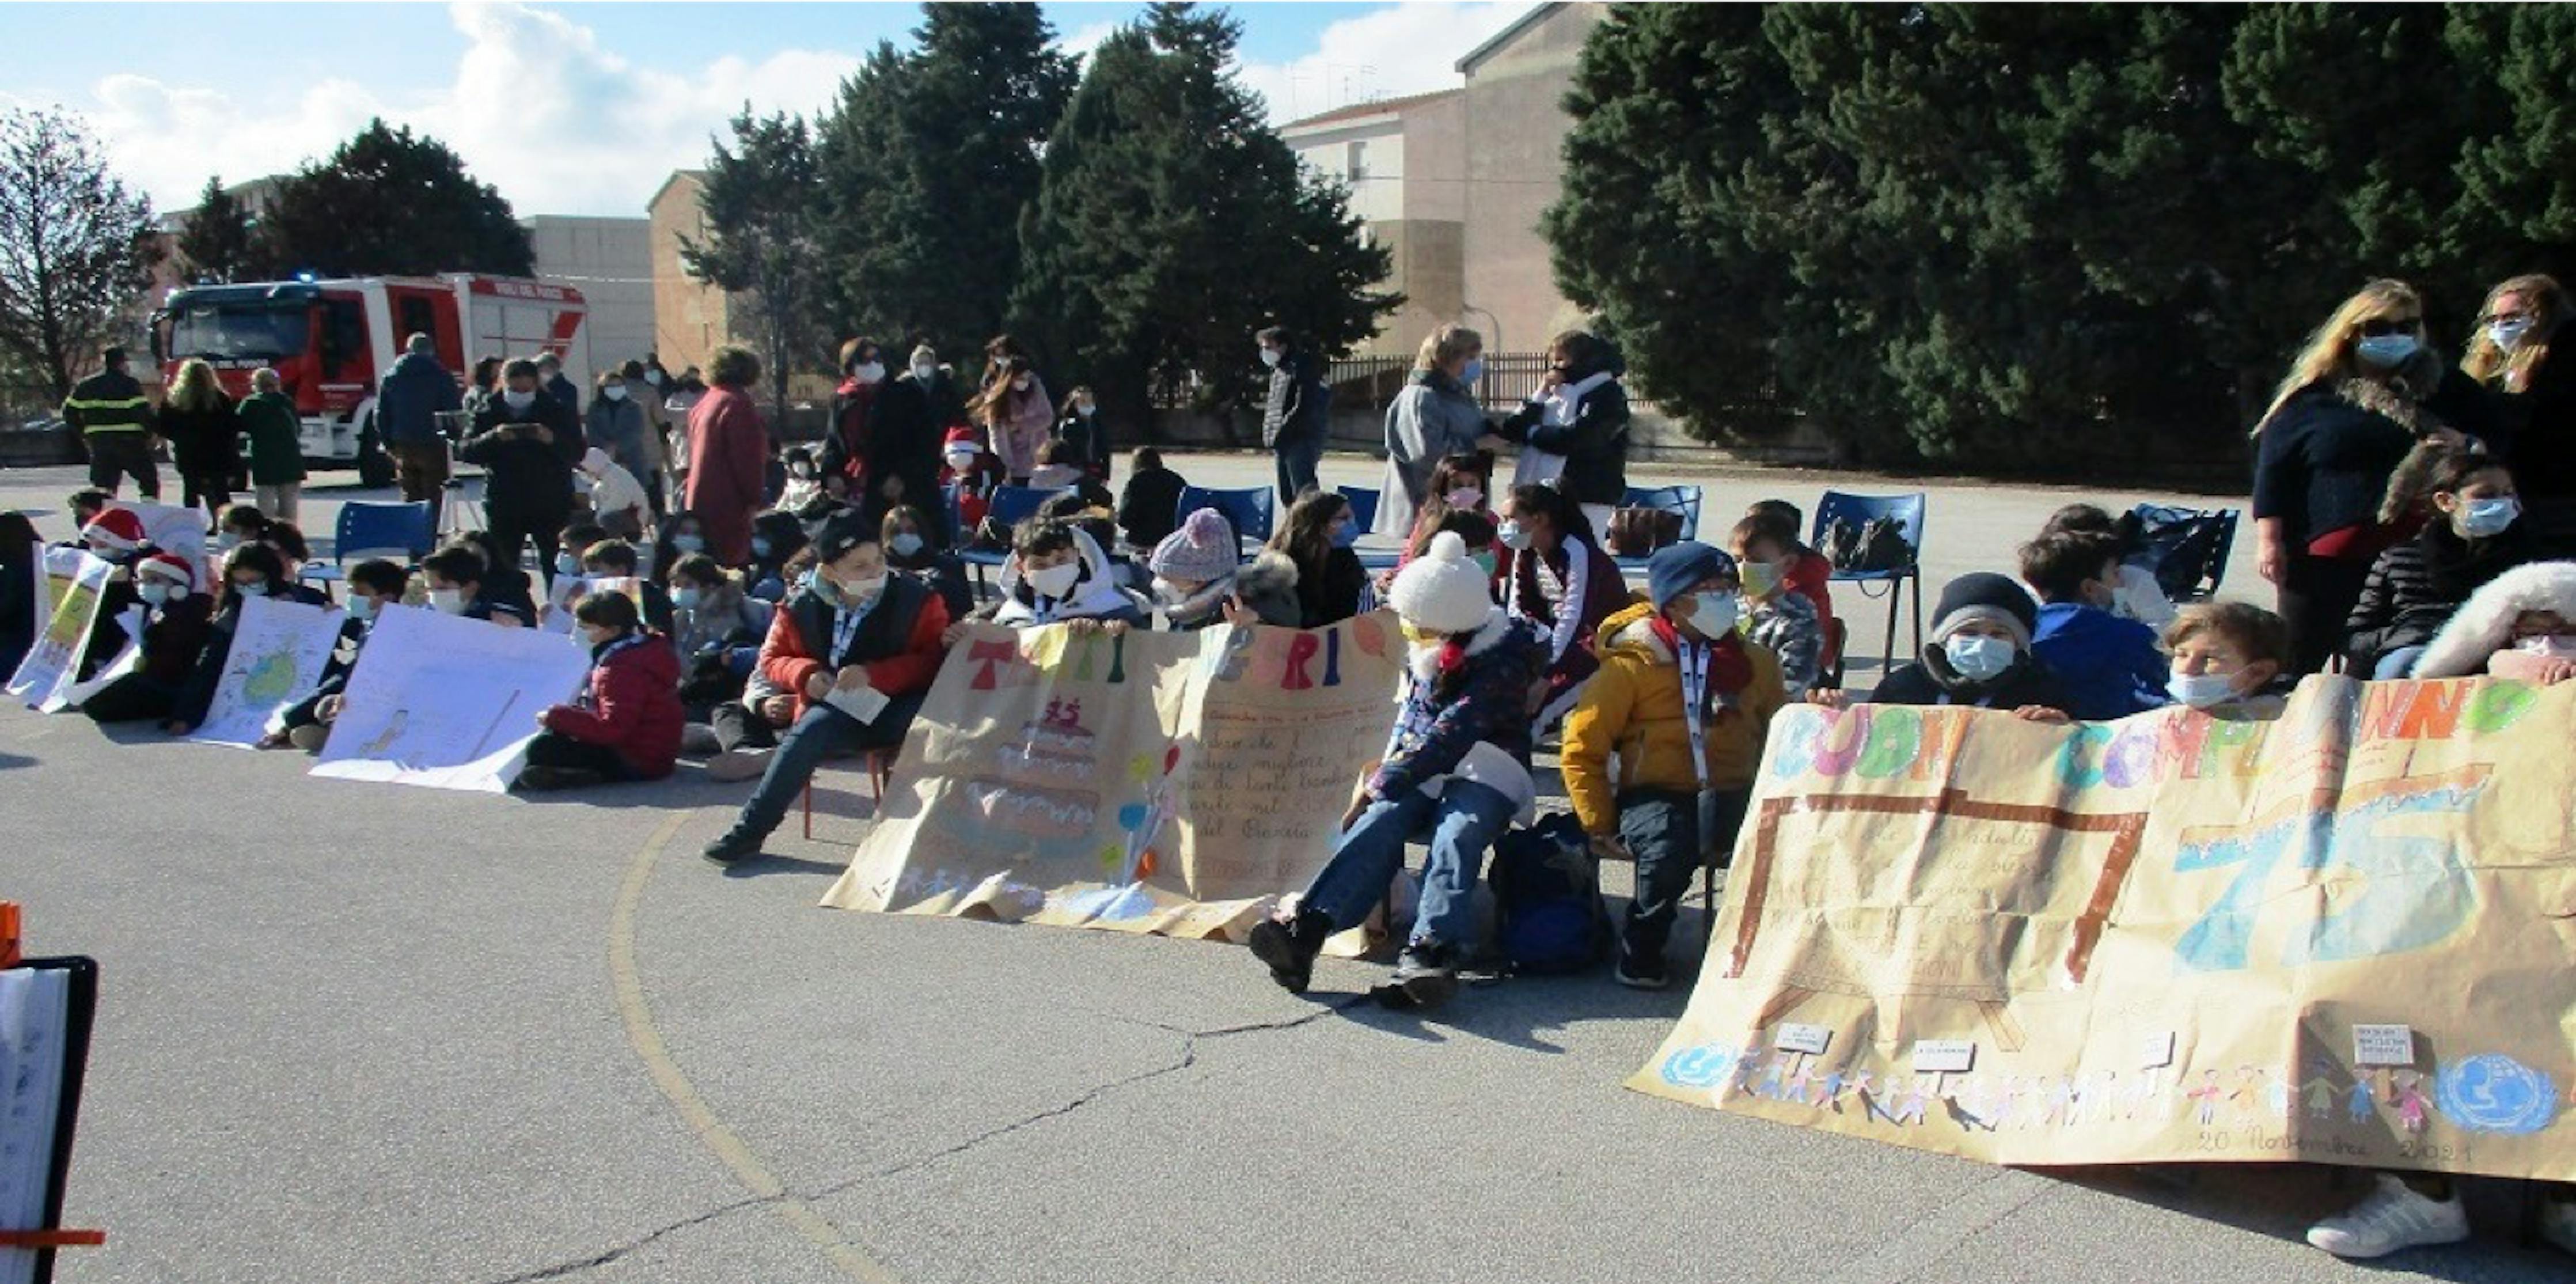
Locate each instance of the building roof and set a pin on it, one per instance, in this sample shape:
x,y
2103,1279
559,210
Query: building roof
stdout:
x,y
1359,111
1537,13
697,176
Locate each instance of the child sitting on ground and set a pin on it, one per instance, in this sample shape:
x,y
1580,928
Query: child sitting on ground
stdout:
x,y
375,586
1979,655
454,576
1774,614
614,559
1199,581
252,570
2230,658
1056,573
2522,626
2109,667
1060,464
710,612
912,547
176,621
2135,594
626,725
775,538
1151,497
804,489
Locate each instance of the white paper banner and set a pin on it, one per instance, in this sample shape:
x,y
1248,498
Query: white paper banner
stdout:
x,y
279,652
447,702
75,580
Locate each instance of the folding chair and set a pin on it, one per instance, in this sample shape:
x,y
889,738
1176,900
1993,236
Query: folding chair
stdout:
x,y
1363,502
1859,510
363,530
1683,501
1248,511
2187,548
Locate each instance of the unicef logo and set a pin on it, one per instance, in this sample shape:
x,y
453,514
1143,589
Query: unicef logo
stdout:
x,y
2491,1093
1704,1066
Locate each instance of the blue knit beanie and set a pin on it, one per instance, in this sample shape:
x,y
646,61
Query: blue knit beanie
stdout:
x,y
1675,568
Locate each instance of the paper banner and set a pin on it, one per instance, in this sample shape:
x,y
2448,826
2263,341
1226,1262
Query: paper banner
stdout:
x,y
447,702
74,581
2340,937
1156,782
278,654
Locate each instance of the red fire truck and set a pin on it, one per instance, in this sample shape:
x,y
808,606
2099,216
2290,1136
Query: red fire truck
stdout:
x,y
330,341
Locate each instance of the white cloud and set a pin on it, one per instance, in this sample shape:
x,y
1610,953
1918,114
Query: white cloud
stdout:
x,y
1410,48
1082,42
538,108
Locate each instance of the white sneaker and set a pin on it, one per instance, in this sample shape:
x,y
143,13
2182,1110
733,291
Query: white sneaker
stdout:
x,y
738,764
2558,1223
2394,1217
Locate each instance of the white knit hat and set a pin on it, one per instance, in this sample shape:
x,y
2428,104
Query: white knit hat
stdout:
x,y
1441,591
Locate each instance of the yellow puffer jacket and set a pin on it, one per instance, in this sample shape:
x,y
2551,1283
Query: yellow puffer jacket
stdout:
x,y
1634,706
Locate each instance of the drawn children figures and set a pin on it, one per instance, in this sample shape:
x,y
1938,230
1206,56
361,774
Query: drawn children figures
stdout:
x,y
2060,1095
1745,1071
1771,1078
1831,1090
2363,1105
1802,1082
2412,1105
1910,1102
2105,1098
2243,1098
2276,1096
2320,1090
2207,1094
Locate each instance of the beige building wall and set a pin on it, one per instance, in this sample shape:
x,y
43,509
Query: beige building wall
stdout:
x,y
690,318
1409,189
610,260
1514,128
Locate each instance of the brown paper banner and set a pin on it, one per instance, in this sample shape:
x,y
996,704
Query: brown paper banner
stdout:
x,y
2342,936
1151,782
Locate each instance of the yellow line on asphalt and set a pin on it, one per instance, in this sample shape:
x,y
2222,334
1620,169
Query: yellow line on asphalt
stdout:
x,y
723,1141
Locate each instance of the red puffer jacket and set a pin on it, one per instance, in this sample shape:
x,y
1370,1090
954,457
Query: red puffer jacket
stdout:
x,y
633,707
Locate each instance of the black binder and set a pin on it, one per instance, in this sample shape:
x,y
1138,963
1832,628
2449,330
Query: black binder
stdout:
x,y
79,1008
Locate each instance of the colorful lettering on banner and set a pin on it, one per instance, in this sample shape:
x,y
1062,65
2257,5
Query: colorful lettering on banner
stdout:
x,y
1878,741
994,662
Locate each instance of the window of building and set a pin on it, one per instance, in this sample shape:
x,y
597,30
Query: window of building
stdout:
x,y
1355,159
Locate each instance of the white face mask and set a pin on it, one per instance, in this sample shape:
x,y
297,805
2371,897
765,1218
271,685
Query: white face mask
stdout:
x,y
961,460
1270,357
155,593
1020,384
869,373
614,392
653,377
924,371
1055,581
362,608
517,400
447,601
1978,659
2202,690
860,592
1712,614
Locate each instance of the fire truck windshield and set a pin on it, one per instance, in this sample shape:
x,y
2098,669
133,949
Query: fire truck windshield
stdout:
x,y
236,333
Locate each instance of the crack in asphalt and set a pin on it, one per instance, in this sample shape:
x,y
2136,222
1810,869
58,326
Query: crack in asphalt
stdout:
x,y
561,1270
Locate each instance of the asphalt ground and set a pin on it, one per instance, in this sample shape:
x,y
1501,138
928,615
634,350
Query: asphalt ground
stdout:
x,y
367,1033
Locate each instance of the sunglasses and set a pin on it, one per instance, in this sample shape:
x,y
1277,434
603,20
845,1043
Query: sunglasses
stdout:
x,y
2378,326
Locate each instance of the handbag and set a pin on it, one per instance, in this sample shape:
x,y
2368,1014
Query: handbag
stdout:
x,y
1637,532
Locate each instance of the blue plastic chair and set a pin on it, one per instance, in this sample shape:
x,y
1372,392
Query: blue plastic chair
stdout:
x,y
363,530
1683,501
1011,506
1248,511
1859,510
1363,502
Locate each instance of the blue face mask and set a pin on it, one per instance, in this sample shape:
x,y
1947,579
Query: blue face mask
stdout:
x,y
1978,659
1345,533
2202,690
905,543
2387,351
1475,370
2485,517
361,607
567,564
760,546
687,599
257,588
689,543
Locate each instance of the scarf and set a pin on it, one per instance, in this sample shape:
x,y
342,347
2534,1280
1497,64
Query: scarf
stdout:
x,y
1199,605
1730,670
1569,613
1559,409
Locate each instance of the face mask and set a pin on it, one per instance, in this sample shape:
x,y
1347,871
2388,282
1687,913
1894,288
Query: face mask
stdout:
x,y
802,472
862,592
1085,410
2485,517
1055,581
653,377
1020,385
923,372
1345,533
2386,351
2556,646
1465,497
760,546
1418,637
2509,335
1270,358
689,543
447,601
1712,614
1171,594
905,543
361,607
1978,659
1475,370
517,400
870,372
1484,560
1761,579
614,392
1511,534
567,564
2202,691
257,588
153,594
228,541
687,599
960,460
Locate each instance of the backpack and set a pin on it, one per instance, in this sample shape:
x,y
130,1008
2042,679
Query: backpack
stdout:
x,y
1875,545
1636,532
1548,916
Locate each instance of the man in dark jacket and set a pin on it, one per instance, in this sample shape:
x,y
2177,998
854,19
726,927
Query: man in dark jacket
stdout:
x,y
528,442
905,428
408,405
555,385
115,422
1293,419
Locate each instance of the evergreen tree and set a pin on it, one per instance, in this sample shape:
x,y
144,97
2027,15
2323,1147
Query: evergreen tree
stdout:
x,y
1173,224
219,243
76,248
389,202
760,207
927,161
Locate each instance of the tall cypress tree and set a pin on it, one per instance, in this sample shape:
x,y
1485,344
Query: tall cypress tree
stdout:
x,y
759,204
927,162
1173,224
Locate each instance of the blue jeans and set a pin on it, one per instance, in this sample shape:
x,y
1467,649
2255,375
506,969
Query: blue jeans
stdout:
x,y
823,732
1665,829
1297,462
1463,823
2395,664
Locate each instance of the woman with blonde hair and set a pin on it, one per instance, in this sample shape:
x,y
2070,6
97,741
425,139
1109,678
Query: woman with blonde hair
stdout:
x,y
1436,416
2366,389
204,431
2536,399
1016,415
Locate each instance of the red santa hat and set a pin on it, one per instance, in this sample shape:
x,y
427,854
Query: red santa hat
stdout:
x,y
169,566
962,438
116,528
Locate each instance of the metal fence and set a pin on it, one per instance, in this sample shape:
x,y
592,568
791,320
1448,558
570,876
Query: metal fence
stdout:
x,y
1508,380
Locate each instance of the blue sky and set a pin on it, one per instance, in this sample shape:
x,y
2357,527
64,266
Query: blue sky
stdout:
x,y
581,108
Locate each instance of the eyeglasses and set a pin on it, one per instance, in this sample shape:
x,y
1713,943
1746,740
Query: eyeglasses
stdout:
x,y
2377,326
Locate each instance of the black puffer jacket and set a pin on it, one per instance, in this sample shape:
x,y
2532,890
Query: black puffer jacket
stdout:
x,y
2026,683
2417,585
2323,462
1595,444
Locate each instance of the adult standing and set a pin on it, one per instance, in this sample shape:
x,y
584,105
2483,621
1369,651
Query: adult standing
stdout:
x,y
644,391
1080,427
845,443
1016,414
408,404
205,437
528,443
550,369
2536,401
616,424
906,425
1433,418
728,456
2364,391
1574,431
276,436
1294,415
116,425
686,391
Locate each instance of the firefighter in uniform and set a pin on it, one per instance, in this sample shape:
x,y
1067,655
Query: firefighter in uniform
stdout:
x,y
114,420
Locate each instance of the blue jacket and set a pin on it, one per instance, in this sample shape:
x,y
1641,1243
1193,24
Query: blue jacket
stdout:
x,y
1488,699
2109,666
409,401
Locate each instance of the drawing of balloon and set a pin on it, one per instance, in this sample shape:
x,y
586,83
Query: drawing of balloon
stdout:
x,y
1364,630
1140,768
2493,1093
1699,1067
1109,856
1131,816
1171,759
